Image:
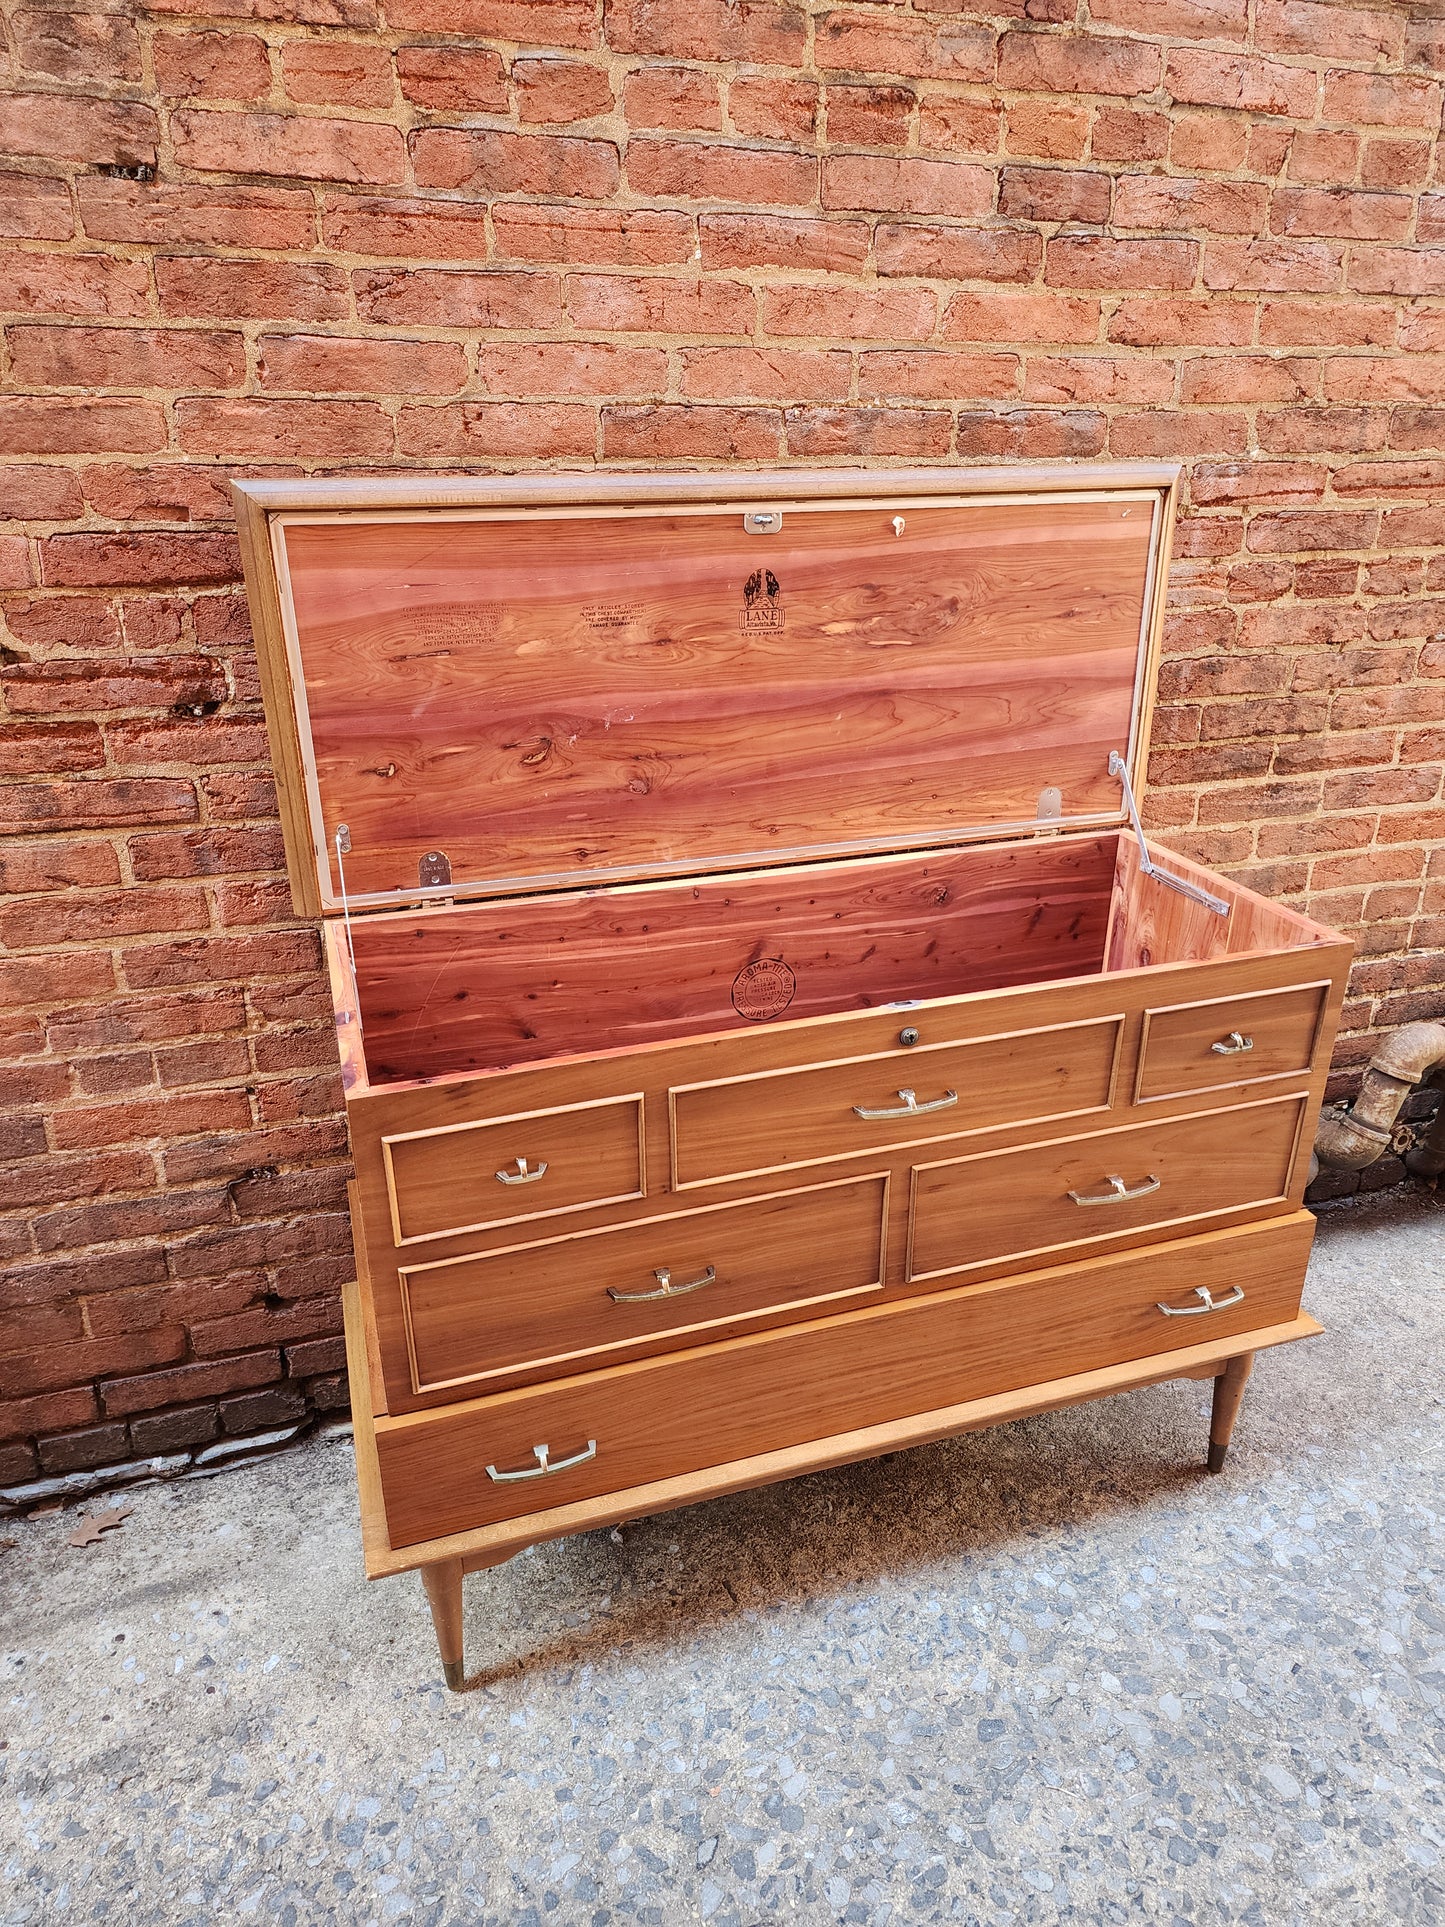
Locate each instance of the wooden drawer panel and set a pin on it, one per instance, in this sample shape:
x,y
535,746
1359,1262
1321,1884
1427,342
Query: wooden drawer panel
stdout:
x,y
466,1177
665,1417
1234,1040
470,1319
741,1126
974,1211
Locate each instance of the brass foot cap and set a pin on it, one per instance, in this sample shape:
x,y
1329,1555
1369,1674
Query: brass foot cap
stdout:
x,y
1216,1456
453,1675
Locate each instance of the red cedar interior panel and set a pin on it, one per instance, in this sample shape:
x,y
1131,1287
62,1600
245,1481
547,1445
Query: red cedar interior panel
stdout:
x,y
1153,923
511,983
554,697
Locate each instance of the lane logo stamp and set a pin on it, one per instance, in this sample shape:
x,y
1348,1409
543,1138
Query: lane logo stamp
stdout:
x,y
762,602
763,989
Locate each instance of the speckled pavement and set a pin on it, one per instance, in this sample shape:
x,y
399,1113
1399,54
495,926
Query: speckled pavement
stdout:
x,y
1048,1673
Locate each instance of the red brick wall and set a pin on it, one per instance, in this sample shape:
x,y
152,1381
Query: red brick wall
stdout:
x,y
506,233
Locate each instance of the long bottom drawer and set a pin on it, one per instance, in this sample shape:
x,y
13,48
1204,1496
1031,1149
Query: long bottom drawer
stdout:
x,y
664,1417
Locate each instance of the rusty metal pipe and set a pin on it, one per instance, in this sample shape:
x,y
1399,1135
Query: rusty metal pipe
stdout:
x,y
1349,1140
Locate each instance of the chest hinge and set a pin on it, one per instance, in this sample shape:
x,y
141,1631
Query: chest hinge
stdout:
x,y
1194,891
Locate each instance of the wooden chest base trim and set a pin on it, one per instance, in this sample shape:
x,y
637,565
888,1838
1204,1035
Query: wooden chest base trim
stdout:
x,y
493,1545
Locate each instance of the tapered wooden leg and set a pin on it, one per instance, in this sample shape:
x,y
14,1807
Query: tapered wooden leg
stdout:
x,y
1228,1391
443,1583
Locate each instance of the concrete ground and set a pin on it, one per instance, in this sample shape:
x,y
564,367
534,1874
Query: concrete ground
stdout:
x,y
1049,1673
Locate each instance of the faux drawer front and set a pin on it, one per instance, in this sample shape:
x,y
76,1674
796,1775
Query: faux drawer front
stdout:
x,y
1231,1040
662,1418
1048,1198
467,1177
572,1299
744,1126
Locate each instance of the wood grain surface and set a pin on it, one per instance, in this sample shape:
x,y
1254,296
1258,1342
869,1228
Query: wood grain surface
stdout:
x,y
1154,924
549,697
468,1177
1177,1051
477,987
739,1126
1008,1204
679,1414
550,1303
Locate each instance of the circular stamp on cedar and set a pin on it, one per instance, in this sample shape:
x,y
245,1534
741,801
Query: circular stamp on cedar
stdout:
x,y
763,989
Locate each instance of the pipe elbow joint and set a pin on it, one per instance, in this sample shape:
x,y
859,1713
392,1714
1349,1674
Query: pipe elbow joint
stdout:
x,y
1349,1140
1347,1143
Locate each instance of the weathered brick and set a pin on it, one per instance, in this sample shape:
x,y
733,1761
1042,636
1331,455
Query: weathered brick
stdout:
x,y
1351,212
673,97
455,298
1008,316
79,1451
820,431
956,253
937,375
147,1392
431,230
119,133
1216,207
33,208
211,65
1125,134
563,91
1027,434
774,108
768,32
72,284
883,184
844,313
307,147
51,357
259,1411
1075,63
1098,378
469,430
706,171
267,290
162,492
731,434
1105,261
445,80
870,116
951,125
848,42
337,73
175,1431
48,425
1056,194
216,215
128,561
273,430
336,363
658,304
1237,80
503,163
602,237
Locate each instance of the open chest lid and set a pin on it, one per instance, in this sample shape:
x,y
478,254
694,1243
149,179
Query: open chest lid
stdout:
x,y
484,686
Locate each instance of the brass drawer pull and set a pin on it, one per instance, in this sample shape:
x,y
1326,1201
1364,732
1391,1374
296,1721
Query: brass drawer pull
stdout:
x,y
1228,1046
666,1288
1117,1193
523,1174
1209,1303
910,1107
544,1465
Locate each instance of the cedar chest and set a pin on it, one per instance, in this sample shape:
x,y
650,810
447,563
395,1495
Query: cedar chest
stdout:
x,y
768,1039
